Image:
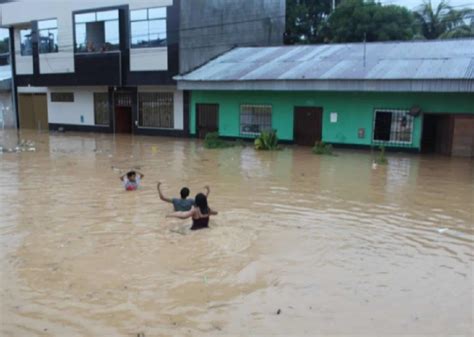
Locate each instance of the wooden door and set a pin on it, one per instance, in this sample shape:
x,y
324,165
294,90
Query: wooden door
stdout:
x,y
33,111
123,119
207,119
307,125
40,104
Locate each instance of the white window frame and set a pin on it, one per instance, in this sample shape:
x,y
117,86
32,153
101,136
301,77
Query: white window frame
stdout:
x,y
48,29
148,20
395,114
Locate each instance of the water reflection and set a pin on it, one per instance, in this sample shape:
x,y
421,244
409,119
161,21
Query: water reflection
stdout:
x,y
337,246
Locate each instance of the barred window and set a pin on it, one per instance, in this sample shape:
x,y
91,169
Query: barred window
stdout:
x,y
101,108
254,119
155,110
393,126
62,97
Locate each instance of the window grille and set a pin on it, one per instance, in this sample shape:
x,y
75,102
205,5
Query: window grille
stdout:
x,y
254,119
155,110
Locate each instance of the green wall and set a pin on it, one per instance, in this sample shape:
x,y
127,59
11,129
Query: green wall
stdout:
x,y
355,110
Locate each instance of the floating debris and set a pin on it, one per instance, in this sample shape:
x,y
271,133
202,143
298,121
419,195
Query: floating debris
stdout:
x,y
22,146
442,230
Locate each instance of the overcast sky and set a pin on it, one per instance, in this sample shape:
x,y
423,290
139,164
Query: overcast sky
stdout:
x,y
415,3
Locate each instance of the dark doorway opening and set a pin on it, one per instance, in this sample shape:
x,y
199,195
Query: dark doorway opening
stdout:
x,y
207,119
437,134
308,122
123,112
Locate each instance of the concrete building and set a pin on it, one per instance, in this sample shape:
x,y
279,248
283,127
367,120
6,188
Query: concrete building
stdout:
x,y
108,66
407,95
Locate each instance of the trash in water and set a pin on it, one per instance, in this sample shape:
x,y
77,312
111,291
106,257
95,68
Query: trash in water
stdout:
x,y
22,146
278,311
374,166
442,230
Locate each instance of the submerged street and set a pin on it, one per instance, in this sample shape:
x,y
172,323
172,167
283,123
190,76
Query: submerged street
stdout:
x,y
303,245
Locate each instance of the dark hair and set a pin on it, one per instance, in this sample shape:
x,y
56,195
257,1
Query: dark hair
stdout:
x,y
184,192
201,202
131,173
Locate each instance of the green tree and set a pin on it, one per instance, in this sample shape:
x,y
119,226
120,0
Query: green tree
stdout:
x,y
356,20
304,20
443,21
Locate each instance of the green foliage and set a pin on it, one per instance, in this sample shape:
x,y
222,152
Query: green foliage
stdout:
x,y
381,159
313,21
443,21
321,148
267,140
304,19
212,141
358,20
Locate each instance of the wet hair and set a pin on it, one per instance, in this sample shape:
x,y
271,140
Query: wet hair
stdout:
x,y
131,173
184,192
201,202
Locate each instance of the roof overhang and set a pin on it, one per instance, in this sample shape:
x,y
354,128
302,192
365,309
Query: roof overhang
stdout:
x,y
441,85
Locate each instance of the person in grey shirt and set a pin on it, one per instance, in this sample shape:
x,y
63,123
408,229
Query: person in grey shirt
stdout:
x,y
184,203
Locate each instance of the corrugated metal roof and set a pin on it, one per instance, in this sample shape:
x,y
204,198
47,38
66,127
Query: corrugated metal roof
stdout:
x,y
414,60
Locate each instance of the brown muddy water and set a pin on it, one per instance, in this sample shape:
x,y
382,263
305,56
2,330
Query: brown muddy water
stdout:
x,y
303,245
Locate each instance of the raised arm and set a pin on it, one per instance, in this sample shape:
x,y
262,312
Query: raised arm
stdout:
x,y
141,175
162,197
181,215
213,212
122,177
208,190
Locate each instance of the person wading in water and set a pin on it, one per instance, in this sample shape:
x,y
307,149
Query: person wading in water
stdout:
x,y
200,213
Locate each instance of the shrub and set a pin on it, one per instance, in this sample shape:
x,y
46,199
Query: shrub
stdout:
x,y
212,141
267,141
381,159
321,148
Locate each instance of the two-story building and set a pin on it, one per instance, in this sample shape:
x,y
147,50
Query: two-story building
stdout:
x,y
108,65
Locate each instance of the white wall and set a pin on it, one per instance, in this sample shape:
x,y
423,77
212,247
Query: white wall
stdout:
x,y
149,59
177,102
25,11
71,112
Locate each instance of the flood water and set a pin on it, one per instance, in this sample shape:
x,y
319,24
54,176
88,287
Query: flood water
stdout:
x,y
304,245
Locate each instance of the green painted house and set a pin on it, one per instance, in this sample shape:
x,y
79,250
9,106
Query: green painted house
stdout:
x,y
411,95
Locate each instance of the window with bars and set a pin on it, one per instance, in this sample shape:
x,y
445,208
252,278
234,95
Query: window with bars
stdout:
x,y
393,127
101,108
62,97
254,119
155,110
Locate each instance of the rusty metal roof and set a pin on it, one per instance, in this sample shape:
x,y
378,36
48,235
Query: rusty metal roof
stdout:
x,y
440,60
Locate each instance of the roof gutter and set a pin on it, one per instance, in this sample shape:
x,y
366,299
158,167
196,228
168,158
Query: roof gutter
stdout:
x,y
441,85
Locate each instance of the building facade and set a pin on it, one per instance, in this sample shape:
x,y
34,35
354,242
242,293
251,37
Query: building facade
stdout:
x,y
415,96
108,65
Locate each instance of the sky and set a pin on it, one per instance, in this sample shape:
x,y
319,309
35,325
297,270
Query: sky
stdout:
x,y
411,4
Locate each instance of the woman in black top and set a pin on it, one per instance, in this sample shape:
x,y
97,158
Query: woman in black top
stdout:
x,y
200,213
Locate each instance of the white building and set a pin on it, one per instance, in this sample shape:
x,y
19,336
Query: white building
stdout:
x,y
108,65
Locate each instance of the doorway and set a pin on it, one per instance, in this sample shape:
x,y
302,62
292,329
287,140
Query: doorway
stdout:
x,y
308,122
437,134
123,112
207,119
33,111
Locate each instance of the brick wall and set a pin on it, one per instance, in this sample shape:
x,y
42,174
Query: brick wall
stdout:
x,y
463,136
